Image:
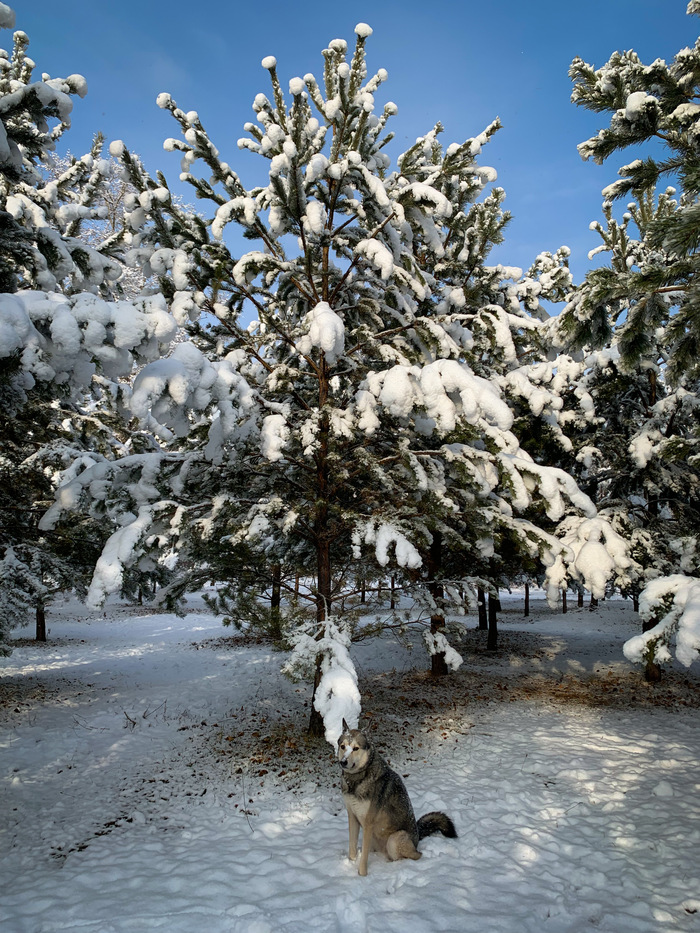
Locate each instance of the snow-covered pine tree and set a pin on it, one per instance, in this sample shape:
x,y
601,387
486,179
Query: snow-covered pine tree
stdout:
x,y
345,424
670,609
37,249
651,103
93,214
637,319
636,453
61,358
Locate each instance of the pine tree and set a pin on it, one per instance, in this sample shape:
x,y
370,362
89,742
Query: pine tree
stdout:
x,y
362,418
63,349
637,321
653,102
39,217
636,451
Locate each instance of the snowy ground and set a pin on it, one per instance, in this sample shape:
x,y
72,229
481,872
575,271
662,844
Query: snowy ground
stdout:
x,y
155,777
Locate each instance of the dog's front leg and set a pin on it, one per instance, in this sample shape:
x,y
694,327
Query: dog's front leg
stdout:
x,y
354,835
367,833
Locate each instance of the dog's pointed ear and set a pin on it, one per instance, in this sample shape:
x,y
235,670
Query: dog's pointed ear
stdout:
x,y
346,727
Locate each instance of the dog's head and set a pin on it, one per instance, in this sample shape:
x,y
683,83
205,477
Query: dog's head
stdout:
x,y
354,750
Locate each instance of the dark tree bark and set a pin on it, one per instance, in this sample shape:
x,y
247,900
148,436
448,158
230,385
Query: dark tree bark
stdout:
x,y
276,601
481,600
322,536
527,598
564,606
492,640
40,622
438,665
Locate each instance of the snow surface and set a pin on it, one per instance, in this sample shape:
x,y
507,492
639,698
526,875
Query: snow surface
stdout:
x,y
154,778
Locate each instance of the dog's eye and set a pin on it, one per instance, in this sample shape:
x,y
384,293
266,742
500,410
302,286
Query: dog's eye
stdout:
x,y
342,744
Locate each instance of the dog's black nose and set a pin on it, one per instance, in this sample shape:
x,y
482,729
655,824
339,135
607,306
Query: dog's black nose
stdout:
x,y
343,764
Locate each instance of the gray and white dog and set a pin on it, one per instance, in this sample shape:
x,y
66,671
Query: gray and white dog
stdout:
x,y
377,800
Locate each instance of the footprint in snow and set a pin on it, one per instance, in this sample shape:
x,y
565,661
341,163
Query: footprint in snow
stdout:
x,y
351,915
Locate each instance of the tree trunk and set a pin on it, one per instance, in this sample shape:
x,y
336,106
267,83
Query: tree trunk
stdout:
x,y
527,598
276,601
323,610
392,604
492,640
652,671
322,537
481,601
438,665
40,622
563,601
635,602
580,599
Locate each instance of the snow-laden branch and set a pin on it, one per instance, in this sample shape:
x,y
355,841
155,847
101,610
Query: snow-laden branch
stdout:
x,y
673,604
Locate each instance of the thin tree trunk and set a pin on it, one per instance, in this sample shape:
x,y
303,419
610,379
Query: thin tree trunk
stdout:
x,y
393,592
481,601
564,606
527,598
438,665
322,539
276,601
652,671
492,640
580,599
40,621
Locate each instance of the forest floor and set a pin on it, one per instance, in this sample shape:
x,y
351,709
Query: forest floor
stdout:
x,y
156,776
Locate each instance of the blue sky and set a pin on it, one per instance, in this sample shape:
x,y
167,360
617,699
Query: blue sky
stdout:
x,y
457,61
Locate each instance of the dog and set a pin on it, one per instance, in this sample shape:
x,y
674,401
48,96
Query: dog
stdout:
x,y
377,800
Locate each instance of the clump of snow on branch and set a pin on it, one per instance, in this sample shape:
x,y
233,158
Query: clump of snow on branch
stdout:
x,y
117,553
166,392
436,643
594,554
63,340
673,603
273,437
383,536
337,695
7,16
326,332
446,390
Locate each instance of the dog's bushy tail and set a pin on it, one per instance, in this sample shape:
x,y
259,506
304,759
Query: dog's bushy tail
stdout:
x,y
436,822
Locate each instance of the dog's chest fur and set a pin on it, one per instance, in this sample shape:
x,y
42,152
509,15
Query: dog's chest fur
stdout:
x,y
359,789
357,806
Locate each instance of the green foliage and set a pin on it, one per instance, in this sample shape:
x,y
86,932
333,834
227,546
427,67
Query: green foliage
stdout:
x,y
649,103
